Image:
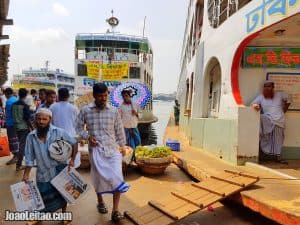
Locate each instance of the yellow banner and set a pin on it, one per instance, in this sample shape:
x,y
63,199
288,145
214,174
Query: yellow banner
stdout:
x,y
114,71
93,69
32,86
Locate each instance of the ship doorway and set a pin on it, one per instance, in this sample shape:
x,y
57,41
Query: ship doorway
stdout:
x,y
213,82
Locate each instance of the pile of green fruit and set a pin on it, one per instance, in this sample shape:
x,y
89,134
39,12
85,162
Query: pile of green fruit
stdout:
x,y
156,152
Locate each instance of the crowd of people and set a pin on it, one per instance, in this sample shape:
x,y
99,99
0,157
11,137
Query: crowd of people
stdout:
x,y
34,122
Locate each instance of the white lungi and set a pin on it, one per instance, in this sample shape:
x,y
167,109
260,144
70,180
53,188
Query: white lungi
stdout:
x,y
271,136
106,172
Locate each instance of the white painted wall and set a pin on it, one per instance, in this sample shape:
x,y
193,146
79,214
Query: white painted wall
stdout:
x,y
251,81
222,43
292,130
248,132
198,97
251,84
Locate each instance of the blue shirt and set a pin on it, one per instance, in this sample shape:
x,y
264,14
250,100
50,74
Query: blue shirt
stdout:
x,y
35,149
8,111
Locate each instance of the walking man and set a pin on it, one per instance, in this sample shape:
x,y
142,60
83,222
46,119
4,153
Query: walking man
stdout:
x,y
11,132
21,118
37,149
104,132
129,114
64,116
272,106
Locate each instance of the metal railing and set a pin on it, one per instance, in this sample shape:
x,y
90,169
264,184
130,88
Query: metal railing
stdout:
x,y
114,36
221,10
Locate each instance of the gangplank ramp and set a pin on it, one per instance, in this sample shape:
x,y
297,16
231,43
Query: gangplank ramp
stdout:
x,y
192,198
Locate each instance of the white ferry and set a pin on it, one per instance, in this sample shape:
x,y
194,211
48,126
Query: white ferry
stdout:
x,y
230,47
126,58
44,78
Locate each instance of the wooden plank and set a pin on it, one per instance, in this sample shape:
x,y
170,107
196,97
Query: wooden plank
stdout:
x,y
133,218
217,184
126,221
191,198
143,211
200,194
161,208
155,214
209,200
196,191
207,189
229,181
163,220
242,174
176,203
186,210
178,195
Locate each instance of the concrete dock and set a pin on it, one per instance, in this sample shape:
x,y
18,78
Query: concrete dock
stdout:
x,y
275,196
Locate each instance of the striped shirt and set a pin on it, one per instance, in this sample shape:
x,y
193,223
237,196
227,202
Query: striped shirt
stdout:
x,y
38,151
105,125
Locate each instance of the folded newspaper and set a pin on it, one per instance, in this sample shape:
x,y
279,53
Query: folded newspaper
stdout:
x,y
71,185
27,196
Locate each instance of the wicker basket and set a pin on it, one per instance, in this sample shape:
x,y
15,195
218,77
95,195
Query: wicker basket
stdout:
x,y
153,166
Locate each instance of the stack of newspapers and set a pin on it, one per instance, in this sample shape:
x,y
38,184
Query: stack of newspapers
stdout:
x,y
27,196
70,184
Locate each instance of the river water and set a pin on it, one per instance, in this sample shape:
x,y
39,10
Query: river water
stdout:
x,y
154,134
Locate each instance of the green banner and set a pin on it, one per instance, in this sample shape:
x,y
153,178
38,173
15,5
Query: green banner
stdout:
x,y
271,57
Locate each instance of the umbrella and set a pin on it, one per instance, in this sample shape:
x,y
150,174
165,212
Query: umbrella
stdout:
x,y
140,94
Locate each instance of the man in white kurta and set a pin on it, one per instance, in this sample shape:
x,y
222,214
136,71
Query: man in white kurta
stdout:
x,y
64,116
129,115
105,133
272,106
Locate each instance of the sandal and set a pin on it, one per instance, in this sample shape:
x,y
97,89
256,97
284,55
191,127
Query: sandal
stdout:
x,y
66,222
280,160
116,216
102,208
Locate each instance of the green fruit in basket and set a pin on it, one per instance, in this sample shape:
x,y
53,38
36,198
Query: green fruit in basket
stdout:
x,y
156,152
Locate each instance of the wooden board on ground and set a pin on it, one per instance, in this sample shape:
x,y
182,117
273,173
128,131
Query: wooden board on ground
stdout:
x,y
190,199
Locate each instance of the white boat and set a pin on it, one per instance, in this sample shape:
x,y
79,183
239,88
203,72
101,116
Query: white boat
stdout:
x,y
44,78
112,58
230,47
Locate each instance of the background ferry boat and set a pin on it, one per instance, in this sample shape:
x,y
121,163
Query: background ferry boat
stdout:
x,y
112,58
44,78
229,49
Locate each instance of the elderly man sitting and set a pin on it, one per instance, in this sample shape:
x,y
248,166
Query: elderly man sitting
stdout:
x,y
272,106
37,149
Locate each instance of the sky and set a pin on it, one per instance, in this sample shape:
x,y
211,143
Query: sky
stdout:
x,y
46,29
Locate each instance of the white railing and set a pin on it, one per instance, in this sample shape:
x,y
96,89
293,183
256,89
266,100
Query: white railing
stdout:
x,y
220,10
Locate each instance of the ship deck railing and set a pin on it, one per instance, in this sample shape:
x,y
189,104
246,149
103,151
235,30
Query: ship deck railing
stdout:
x,y
114,36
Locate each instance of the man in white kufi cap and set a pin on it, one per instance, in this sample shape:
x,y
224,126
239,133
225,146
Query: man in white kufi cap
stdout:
x,y
47,167
272,105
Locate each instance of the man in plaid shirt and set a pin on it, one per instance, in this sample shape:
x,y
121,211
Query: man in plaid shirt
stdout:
x,y
105,133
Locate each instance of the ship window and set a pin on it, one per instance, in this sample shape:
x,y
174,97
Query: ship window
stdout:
x,y
81,54
134,72
81,70
135,45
